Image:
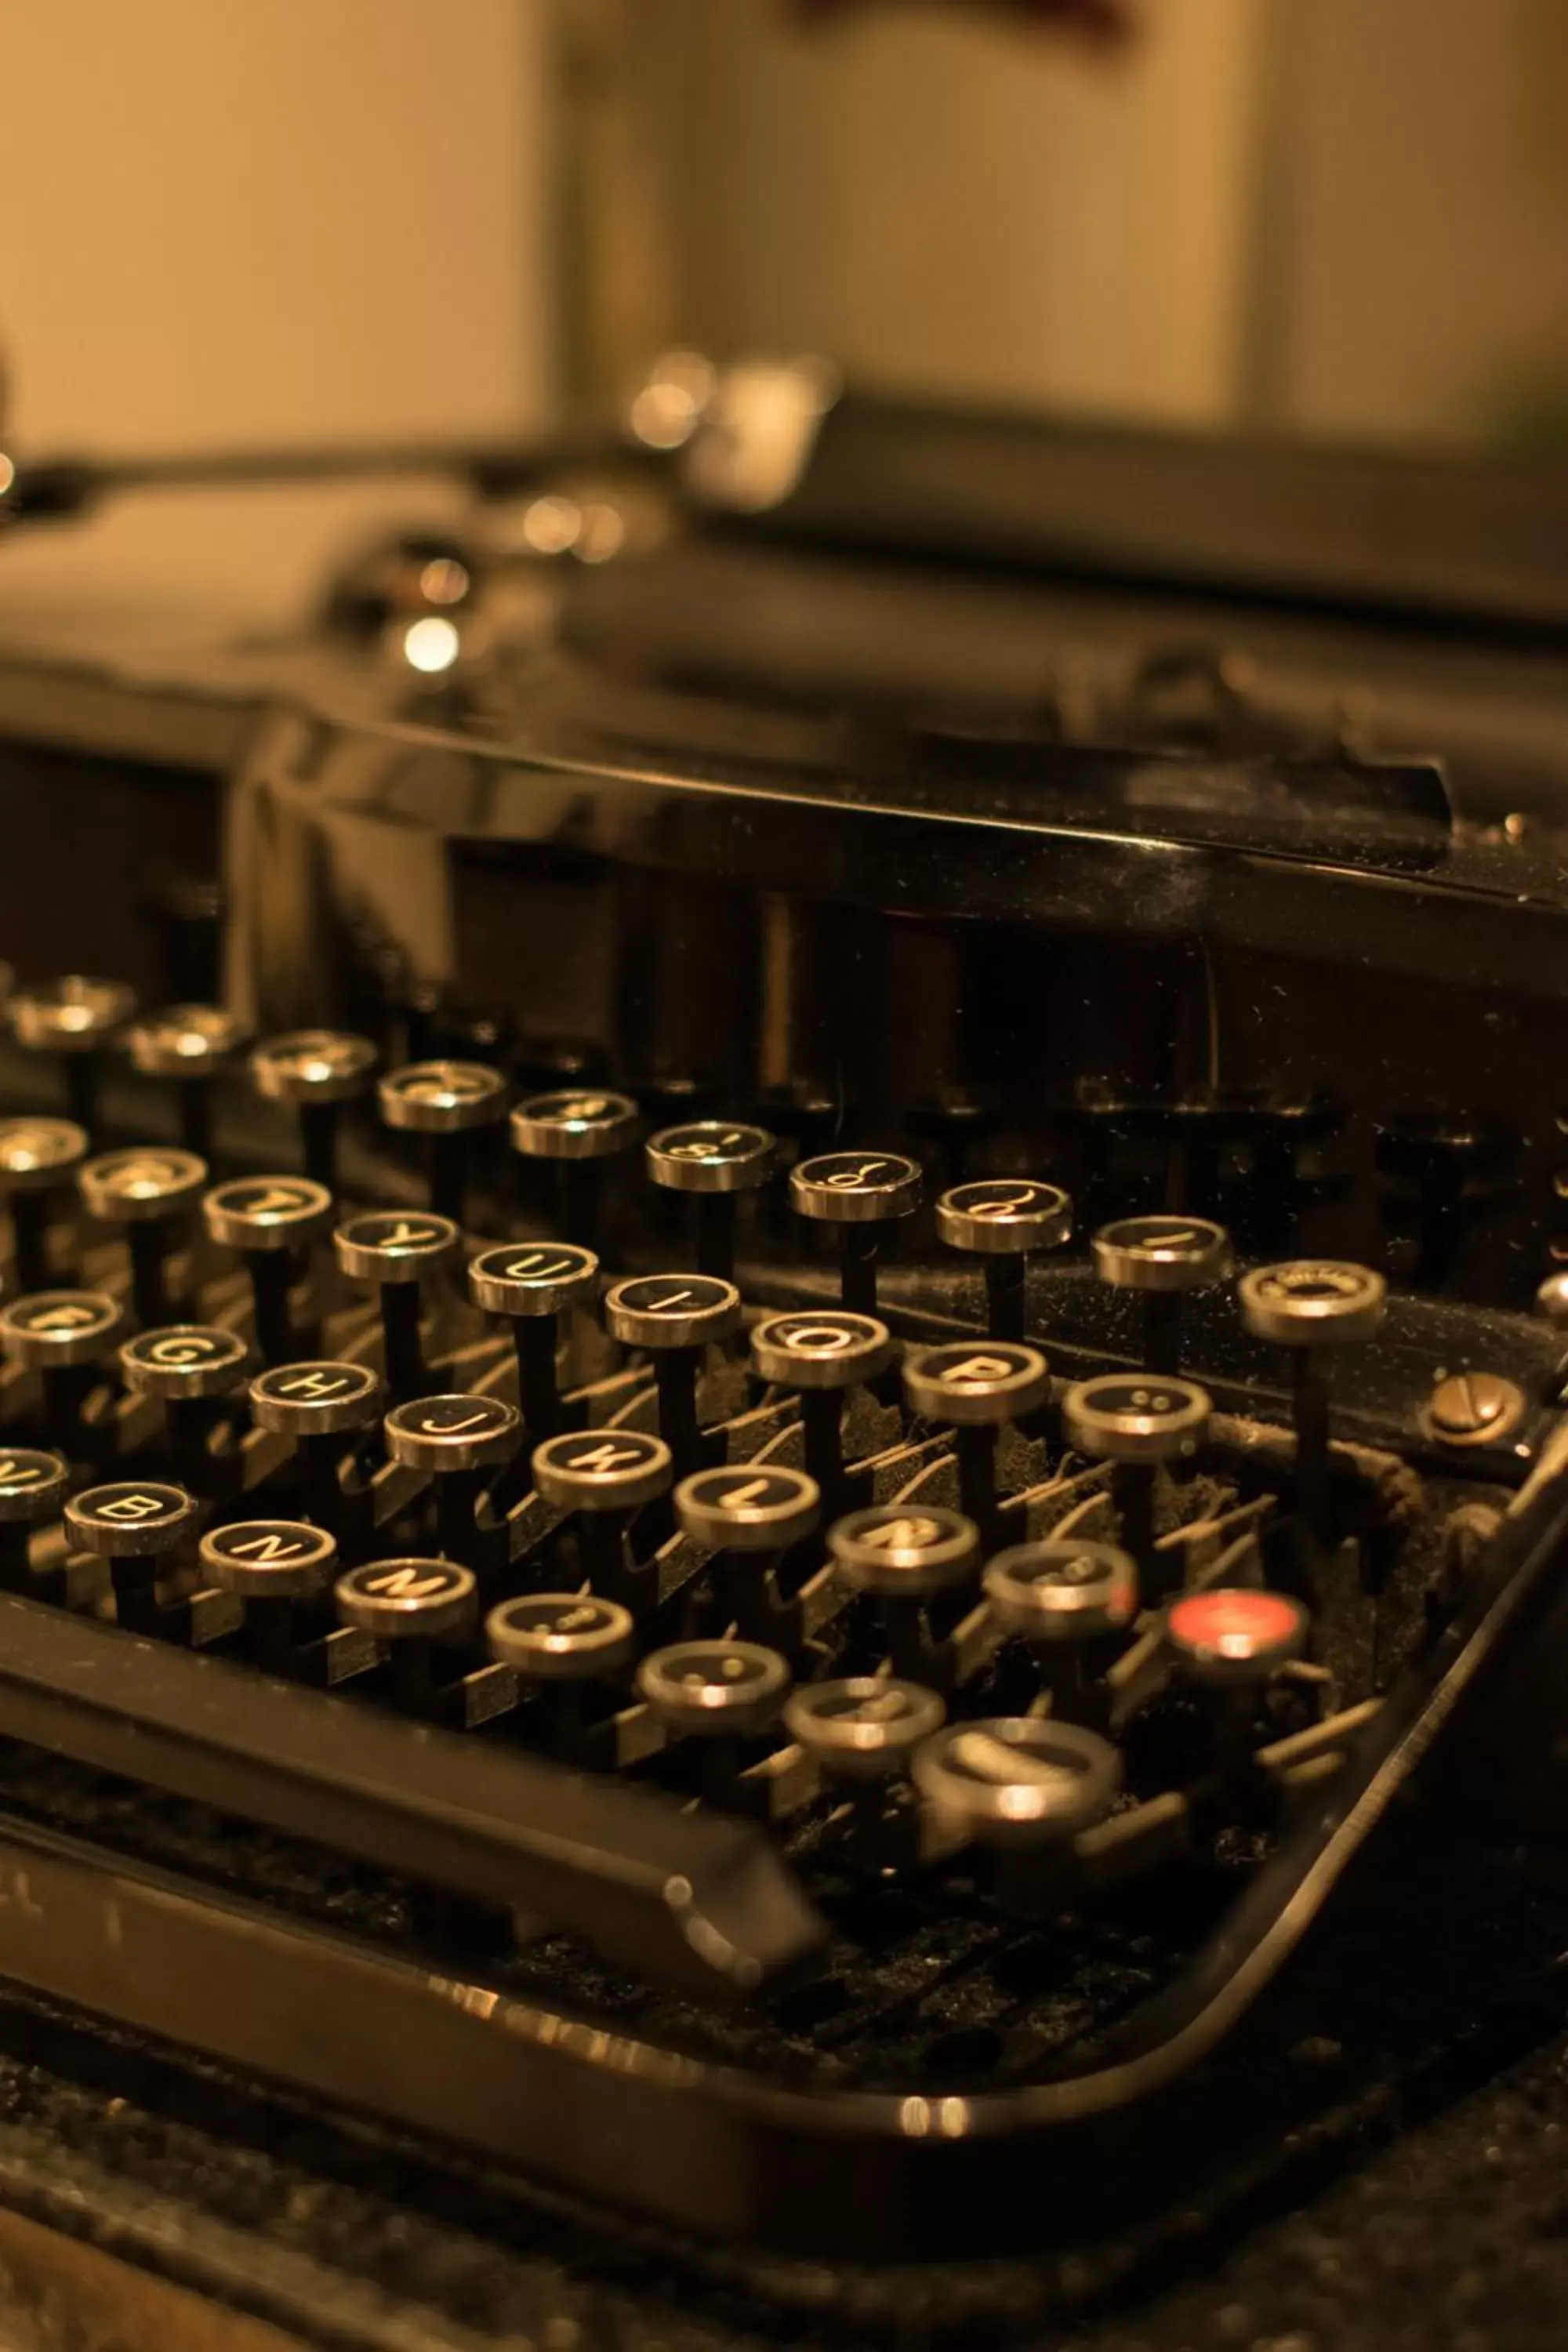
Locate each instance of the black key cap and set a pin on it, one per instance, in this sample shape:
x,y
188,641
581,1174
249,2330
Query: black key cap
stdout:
x,y
579,1131
1137,1425
1072,1604
142,1193
908,1555
565,1649
1018,1783
718,1693
749,1516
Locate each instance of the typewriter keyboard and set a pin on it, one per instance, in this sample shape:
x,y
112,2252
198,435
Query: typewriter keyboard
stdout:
x,y
725,1594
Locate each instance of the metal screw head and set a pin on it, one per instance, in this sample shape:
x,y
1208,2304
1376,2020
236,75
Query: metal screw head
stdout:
x,y
1474,1409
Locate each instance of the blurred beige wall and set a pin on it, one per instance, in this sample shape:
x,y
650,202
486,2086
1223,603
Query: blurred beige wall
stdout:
x,y
262,221
936,199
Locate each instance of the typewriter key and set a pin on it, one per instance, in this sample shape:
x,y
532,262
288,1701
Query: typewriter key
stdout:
x,y
415,1608
457,1440
37,1157
748,1515
446,1101
63,1336
603,1476
578,1130
866,1195
713,1159
533,1283
317,1071
133,1525
976,1388
73,1018
864,1729
275,1566
1018,1781
1235,1638
908,1555
1309,1306
1162,1258
395,1252
320,1405
563,1637
32,1488
714,1690
141,1192
674,1317
1071,1603
822,1353
265,1220
1001,1220
1137,1424
192,1044
188,1367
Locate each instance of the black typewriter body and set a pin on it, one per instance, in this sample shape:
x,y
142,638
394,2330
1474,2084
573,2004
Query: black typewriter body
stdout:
x,y
1285,991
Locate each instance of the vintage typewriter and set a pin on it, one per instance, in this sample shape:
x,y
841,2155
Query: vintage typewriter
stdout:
x,y
784,1321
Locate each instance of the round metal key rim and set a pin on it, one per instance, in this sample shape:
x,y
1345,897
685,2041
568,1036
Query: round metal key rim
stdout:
x,y
301,1564
401,1609
914,1567
417,1247
272,1408
456,1448
322,1065
102,1183
215,1366
870,1349
1159,1263
126,1533
715,1311
303,1209
1038,1609
1334,1301
20,1172
452,1107
1073,1787
852,1746
995,1232
74,1343
566,1472
739,1526
1132,1432
700,1704
988,1399
40,1015
812,1194
740,1172
498,1289
155,1048
544,1654
1267,1630
26,1501
544,1129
